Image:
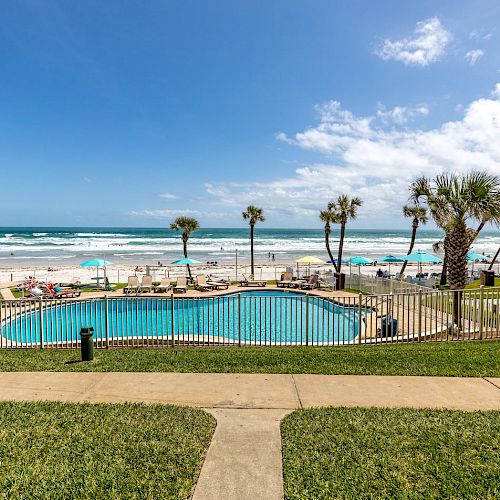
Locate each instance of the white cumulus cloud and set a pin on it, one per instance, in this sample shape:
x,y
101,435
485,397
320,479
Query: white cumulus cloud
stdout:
x,y
425,46
169,196
367,157
473,55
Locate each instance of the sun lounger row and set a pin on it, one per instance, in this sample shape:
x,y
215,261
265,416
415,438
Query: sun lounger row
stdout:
x,y
166,285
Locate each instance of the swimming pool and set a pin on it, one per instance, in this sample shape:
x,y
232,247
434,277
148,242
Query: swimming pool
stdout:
x,y
263,317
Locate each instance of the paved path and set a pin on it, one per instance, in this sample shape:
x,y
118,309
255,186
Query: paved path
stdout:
x,y
244,458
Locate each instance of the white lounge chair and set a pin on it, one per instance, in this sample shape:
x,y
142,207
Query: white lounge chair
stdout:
x,y
201,284
181,285
132,285
311,283
218,285
249,281
164,286
286,280
146,283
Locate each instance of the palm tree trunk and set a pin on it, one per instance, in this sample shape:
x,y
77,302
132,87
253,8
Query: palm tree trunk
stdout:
x,y
341,246
444,269
494,259
412,244
185,248
327,243
459,244
251,248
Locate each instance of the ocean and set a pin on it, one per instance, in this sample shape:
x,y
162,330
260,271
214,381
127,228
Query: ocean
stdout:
x,y
46,246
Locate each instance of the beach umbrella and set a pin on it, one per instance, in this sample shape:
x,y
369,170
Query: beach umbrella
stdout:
x,y
422,258
390,259
473,257
186,261
359,260
97,263
308,259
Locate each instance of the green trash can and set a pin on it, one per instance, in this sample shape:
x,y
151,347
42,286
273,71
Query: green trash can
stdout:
x,y
87,343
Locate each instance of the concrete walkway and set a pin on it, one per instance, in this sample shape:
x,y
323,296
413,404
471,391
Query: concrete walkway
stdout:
x,y
244,458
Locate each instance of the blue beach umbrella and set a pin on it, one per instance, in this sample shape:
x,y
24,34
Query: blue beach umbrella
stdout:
x,y
390,259
97,263
359,260
473,257
422,257
186,261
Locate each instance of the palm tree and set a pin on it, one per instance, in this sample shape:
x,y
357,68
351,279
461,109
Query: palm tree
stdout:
x,y
187,225
453,201
329,218
344,209
253,214
418,216
490,267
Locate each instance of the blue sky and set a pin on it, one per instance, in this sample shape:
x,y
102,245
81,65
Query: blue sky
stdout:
x,y
131,113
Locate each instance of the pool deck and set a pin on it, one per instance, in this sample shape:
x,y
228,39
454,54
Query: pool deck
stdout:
x,y
244,458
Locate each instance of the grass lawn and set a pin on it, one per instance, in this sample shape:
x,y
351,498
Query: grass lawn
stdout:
x,y
465,359
385,453
477,284
63,450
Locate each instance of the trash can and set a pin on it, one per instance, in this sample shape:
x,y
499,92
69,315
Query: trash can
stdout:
x,y
487,278
87,343
389,327
339,281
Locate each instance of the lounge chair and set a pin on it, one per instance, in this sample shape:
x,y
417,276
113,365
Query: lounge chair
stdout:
x,y
217,284
165,285
7,294
201,284
181,285
286,280
132,285
249,281
146,283
311,283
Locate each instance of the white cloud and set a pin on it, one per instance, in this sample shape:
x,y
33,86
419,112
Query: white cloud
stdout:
x,y
473,55
169,196
401,114
365,156
88,180
479,35
163,213
426,46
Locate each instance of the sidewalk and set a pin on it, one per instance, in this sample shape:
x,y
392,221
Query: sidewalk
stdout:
x,y
231,390
244,459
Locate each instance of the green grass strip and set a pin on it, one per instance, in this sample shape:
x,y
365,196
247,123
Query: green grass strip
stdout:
x,y
454,359
385,453
62,450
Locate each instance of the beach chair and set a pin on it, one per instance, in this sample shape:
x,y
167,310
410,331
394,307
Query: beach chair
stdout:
x,y
250,281
132,285
181,285
164,286
7,294
146,283
218,285
311,283
286,280
202,285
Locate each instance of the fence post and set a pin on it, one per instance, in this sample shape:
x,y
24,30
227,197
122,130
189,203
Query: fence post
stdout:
x,y
307,319
239,319
40,317
106,320
481,298
419,314
172,325
360,316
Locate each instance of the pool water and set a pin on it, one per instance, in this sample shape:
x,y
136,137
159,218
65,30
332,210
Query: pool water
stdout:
x,y
265,317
